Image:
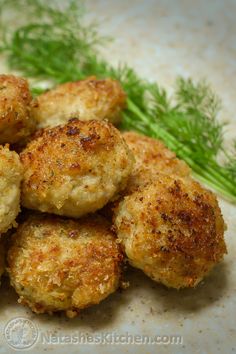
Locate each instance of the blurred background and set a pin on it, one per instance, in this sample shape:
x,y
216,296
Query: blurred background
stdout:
x,y
165,38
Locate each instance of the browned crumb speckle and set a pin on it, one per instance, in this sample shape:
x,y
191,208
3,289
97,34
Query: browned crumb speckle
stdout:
x,y
151,158
16,122
75,169
86,99
173,230
52,271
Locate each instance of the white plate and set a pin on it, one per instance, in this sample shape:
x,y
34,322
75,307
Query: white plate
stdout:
x,y
161,39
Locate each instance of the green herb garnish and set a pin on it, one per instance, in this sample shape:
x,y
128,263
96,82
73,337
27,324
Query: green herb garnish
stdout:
x,y
52,43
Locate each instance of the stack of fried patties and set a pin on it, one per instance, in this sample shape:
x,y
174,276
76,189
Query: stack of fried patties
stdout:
x,y
93,197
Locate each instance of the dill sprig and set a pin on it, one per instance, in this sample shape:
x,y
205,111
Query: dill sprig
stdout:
x,y
50,41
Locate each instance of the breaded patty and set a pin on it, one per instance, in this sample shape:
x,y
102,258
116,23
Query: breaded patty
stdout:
x,y
2,256
15,120
151,158
11,174
86,99
75,169
173,230
57,264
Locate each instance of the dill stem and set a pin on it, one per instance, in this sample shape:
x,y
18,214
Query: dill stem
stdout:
x,y
222,191
221,177
161,133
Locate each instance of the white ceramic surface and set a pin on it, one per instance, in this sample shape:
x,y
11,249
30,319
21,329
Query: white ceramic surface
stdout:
x,y
162,39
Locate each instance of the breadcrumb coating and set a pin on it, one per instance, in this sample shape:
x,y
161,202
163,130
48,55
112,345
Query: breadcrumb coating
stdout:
x,y
75,169
57,264
16,123
86,99
11,174
151,158
2,256
173,230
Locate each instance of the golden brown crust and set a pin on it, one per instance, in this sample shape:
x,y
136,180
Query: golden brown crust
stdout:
x,y
173,230
75,169
15,120
86,99
2,256
58,264
151,158
11,174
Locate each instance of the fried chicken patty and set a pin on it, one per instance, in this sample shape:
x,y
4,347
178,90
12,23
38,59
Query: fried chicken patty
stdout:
x,y
173,230
11,174
75,169
86,99
151,158
57,264
2,256
15,120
